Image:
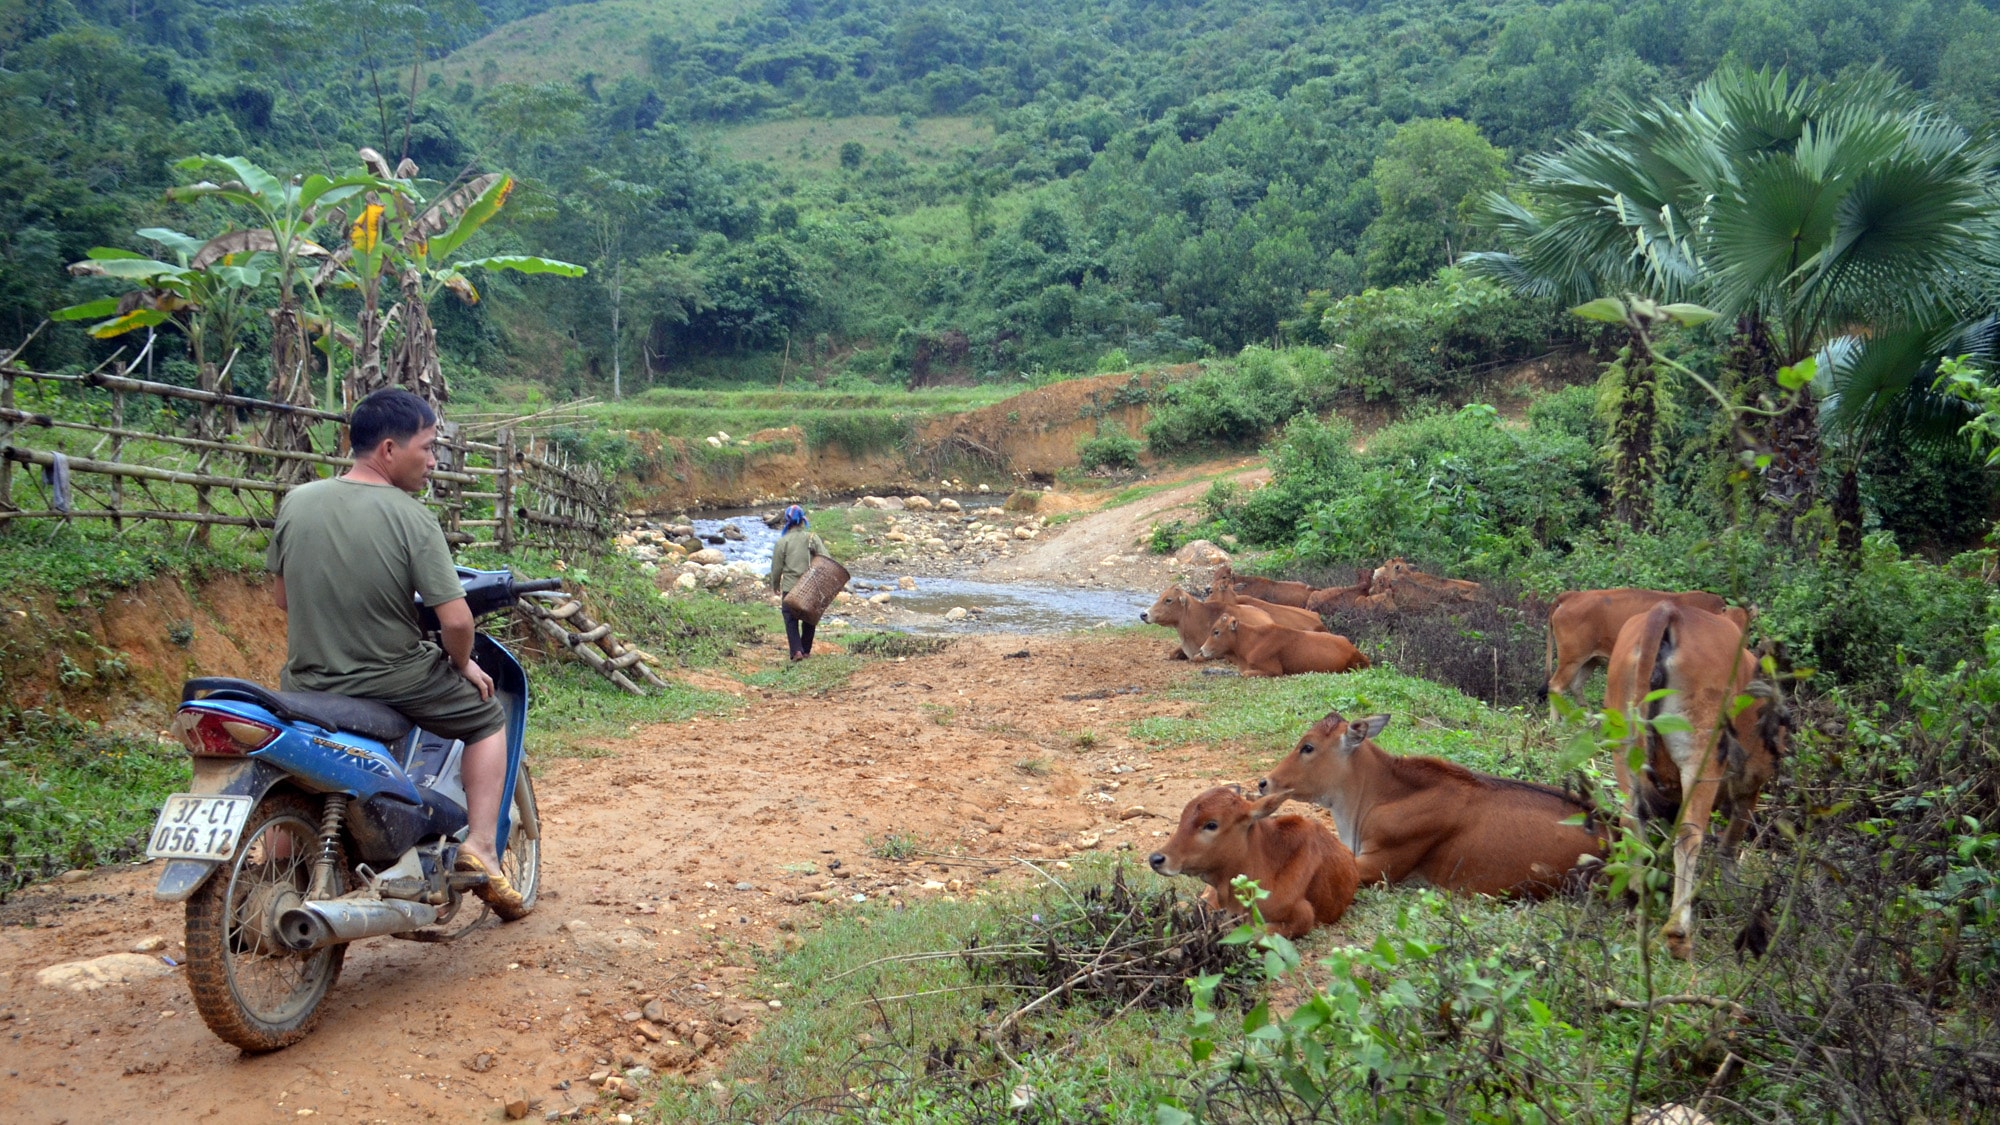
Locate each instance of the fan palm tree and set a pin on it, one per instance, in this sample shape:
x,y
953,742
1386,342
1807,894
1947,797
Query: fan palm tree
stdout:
x,y
1841,219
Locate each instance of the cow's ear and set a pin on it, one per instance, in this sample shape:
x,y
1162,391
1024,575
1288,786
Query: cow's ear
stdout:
x,y
1370,726
1268,805
1236,789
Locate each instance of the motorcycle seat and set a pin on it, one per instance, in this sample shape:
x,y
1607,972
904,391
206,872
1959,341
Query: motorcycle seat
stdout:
x,y
364,717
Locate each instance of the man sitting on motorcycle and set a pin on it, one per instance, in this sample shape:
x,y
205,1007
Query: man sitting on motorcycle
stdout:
x,y
348,554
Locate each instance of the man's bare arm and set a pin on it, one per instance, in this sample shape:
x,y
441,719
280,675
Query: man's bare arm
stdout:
x,y
278,592
455,629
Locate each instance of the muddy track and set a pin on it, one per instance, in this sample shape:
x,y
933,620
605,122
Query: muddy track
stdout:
x,y
667,861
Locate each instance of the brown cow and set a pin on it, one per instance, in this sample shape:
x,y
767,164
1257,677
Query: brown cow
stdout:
x,y
1193,618
1291,617
1398,585
1427,819
1309,874
1333,599
1293,594
1717,756
1584,624
1273,650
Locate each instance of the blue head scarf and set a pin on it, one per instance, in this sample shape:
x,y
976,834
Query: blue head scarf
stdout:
x,y
795,516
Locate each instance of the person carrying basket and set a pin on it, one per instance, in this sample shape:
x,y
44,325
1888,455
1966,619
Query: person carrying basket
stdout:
x,y
794,553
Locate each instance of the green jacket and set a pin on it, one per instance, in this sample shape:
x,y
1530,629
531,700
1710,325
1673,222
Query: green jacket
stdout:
x,y
790,558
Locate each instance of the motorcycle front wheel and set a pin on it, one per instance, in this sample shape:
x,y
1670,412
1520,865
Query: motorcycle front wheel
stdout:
x,y
522,861
250,990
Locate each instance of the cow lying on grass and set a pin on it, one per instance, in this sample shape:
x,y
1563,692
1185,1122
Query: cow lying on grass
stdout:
x,y
1310,875
1398,585
1584,625
1432,821
1293,594
1193,618
1333,599
1272,650
1721,753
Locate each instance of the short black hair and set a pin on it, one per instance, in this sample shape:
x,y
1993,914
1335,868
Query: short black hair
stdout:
x,y
391,412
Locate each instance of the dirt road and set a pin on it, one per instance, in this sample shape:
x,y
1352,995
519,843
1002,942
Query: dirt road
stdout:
x,y
666,862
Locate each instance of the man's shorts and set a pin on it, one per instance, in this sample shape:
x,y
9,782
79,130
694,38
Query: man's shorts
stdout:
x,y
447,704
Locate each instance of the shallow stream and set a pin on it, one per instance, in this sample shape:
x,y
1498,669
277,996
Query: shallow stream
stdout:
x,y
1005,607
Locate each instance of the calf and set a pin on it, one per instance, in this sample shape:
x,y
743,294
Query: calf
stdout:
x,y
1227,600
1333,599
1193,618
1398,585
1309,874
1272,650
1721,755
1293,594
1584,624
1432,821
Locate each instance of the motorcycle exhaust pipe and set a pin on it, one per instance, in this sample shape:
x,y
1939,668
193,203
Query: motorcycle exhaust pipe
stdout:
x,y
318,924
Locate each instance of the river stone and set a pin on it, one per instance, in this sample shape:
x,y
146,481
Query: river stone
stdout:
x,y
1201,553
956,613
732,532
879,599
919,504
707,556
1024,533
882,503
686,582
949,505
108,971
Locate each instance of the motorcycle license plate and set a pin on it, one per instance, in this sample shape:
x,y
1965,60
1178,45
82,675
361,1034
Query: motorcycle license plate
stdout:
x,y
192,827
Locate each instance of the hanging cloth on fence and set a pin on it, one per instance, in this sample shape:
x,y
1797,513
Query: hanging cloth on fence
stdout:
x,y
55,475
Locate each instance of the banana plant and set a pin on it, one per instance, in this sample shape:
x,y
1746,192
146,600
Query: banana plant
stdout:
x,y
284,214
209,289
399,234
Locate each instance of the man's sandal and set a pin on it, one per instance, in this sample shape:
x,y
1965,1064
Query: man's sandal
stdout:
x,y
496,892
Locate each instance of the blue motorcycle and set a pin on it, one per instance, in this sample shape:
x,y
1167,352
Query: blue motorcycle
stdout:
x,y
315,820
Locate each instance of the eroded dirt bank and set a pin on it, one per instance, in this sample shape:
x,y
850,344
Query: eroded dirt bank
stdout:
x,y
647,854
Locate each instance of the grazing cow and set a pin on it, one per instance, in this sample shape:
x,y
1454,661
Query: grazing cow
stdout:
x,y
1584,624
1332,599
1429,820
1273,650
1293,594
1721,758
1398,585
1309,874
1193,618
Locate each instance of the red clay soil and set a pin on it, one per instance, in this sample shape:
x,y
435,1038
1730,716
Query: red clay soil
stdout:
x,y
644,850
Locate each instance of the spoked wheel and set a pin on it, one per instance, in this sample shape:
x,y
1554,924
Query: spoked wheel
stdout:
x,y
250,990
522,861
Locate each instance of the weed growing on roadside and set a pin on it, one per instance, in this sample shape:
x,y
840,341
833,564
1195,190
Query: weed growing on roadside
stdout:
x,y
896,846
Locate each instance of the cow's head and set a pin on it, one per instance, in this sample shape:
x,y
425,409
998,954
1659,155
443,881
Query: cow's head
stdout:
x,y
1167,611
1214,833
1391,572
1322,763
1221,638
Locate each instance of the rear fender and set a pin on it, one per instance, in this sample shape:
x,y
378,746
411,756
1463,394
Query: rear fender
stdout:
x,y
215,777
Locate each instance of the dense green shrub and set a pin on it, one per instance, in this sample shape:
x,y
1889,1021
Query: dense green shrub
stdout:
x,y
1434,339
1111,448
1236,403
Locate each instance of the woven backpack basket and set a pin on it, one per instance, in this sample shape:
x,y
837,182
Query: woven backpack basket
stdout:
x,y
815,588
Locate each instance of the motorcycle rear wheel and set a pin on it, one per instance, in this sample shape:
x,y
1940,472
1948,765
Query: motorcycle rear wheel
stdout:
x,y
250,990
522,861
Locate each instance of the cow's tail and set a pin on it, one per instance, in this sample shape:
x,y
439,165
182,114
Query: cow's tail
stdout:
x,y
1656,642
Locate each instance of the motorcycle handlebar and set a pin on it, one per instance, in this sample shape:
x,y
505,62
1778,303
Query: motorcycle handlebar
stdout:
x,y
538,585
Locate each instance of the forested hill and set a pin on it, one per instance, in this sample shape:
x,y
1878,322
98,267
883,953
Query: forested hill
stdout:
x,y
898,189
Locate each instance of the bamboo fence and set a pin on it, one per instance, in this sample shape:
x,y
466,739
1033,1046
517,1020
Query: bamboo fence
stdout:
x,y
137,450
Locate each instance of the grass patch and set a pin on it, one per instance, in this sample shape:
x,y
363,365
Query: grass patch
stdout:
x,y
73,794
574,710
1034,767
89,555
898,846
812,144
607,38
898,1041
860,422
894,644
1267,715
816,676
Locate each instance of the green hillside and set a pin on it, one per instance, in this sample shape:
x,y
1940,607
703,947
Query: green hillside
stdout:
x,y
607,39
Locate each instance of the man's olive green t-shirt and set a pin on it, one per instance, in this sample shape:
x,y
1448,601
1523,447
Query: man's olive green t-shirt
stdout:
x,y
353,556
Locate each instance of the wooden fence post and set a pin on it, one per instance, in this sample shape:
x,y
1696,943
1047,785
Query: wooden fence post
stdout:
x,y
506,488
117,449
6,436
